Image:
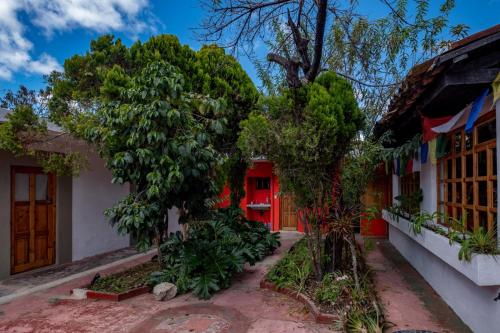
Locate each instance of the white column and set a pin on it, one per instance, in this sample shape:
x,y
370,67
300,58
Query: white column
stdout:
x,y
395,188
498,158
428,184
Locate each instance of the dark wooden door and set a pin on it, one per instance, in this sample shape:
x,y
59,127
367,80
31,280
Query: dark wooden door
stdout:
x,y
288,213
33,219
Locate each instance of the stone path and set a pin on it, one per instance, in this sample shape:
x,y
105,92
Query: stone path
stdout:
x,y
243,307
48,274
410,304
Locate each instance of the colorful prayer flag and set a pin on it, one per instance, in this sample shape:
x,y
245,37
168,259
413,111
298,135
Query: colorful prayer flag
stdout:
x,y
424,151
496,89
409,166
432,152
429,123
476,109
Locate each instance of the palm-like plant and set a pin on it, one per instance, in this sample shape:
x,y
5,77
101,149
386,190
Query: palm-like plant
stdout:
x,y
479,241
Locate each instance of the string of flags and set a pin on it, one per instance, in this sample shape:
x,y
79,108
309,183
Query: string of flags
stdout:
x,y
434,143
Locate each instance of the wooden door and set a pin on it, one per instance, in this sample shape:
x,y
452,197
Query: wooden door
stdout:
x,y
288,216
33,219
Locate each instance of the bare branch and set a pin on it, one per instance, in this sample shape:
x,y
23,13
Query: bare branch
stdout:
x,y
318,40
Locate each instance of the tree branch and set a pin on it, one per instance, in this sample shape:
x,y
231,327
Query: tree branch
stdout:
x,y
318,40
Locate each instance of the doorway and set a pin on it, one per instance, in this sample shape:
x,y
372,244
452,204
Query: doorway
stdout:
x,y
288,216
33,218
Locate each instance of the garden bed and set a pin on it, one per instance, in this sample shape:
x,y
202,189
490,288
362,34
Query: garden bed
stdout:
x,y
123,285
332,300
319,316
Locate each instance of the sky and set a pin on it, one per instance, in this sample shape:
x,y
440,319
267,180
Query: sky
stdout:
x,y
36,36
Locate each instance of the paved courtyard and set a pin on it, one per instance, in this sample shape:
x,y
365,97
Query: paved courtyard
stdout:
x,y
244,307
409,303
45,275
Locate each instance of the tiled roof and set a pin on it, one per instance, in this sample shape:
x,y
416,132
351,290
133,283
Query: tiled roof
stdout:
x,y
422,76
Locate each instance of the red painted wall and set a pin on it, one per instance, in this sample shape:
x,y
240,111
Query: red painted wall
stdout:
x,y
259,169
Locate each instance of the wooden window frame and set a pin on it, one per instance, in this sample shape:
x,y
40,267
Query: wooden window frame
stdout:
x,y
262,183
410,183
457,206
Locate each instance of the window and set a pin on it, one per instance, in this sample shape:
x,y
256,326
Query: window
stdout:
x,y
262,183
467,176
410,192
410,183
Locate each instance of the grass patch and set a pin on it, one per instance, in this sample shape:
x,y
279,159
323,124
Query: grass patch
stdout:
x,y
132,278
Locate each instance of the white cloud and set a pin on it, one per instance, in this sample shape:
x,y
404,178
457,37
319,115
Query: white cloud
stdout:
x,y
97,15
52,16
44,65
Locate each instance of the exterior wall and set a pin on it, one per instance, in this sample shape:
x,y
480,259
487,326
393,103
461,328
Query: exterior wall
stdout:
x,y
498,159
428,184
395,188
271,216
63,212
93,193
472,303
173,220
64,225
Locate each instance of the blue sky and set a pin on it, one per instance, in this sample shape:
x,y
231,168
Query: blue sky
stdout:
x,y
36,36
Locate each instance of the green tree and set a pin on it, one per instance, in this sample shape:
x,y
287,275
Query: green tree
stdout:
x,y
174,158
221,76
307,146
307,37
98,76
157,137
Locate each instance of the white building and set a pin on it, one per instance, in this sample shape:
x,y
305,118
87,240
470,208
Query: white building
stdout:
x,y
47,220
462,179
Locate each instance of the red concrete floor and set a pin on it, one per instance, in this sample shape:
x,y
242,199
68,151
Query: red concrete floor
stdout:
x,y
244,307
408,301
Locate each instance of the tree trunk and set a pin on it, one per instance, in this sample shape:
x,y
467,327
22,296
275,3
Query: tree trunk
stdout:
x,y
237,174
354,259
163,232
311,239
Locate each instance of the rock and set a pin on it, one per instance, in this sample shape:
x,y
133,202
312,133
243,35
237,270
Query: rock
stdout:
x,y
164,291
79,293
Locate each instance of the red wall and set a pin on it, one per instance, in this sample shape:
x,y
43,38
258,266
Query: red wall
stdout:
x,y
259,169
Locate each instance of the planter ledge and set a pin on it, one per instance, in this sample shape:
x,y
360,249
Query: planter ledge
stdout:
x,y
319,317
483,269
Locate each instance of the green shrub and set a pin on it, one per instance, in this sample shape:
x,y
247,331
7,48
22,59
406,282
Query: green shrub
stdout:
x,y
479,241
332,287
213,251
294,269
357,308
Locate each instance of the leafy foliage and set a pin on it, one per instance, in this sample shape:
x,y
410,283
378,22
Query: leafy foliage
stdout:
x,y
134,277
305,145
294,269
337,292
91,80
479,241
213,251
306,132
156,136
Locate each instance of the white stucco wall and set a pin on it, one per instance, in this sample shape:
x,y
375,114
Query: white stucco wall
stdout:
x,y
93,192
473,304
63,212
396,188
498,159
173,220
428,179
